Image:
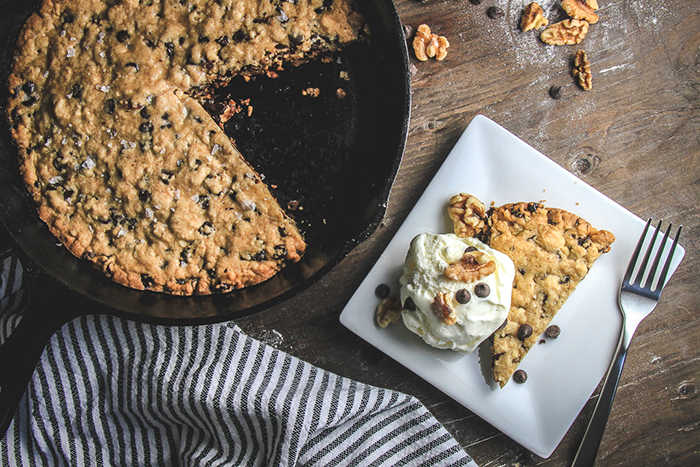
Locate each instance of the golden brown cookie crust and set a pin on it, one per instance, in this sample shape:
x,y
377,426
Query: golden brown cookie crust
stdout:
x,y
128,170
552,251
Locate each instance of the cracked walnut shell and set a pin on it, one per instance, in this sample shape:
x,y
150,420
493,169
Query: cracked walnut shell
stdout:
x,y
567,32
533,18
579,9
582,70
428,45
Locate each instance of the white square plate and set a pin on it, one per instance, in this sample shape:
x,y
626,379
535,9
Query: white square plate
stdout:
x,y
495,166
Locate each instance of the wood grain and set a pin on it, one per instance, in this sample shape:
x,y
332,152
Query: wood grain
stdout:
x,y
635,137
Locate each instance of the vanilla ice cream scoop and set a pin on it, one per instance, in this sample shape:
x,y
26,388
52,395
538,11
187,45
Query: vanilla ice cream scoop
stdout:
x,y
455,291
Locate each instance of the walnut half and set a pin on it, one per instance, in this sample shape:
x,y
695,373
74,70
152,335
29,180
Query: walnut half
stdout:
x,y
533,18
442,309
427,45
471,267
567,32
580,9
467,214
582,70
389,310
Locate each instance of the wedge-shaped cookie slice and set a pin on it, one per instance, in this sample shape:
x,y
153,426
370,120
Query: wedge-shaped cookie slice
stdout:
x,y
552,250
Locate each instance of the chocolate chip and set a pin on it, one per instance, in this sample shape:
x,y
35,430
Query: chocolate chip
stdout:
x,y
206,229
203,39
28,87
260,256
144,195
123,36
144,113
382,291
169,49
475,2
524,331
147,281
482,290
76,91
110,105
222,41
409,304
495,12
520,376
555,92
463,296
553,331
146,127
469,249
30,101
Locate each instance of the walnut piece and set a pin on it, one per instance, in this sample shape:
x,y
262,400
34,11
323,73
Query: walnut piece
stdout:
x,y
592,3
442,309
428,45
533,18
388,310
468,215
567,32
579,9
471,267
582,70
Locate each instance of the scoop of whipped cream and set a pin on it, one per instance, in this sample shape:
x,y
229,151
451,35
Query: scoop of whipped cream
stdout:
x,y
452,297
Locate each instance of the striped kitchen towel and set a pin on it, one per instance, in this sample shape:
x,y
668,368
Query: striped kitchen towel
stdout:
x,y
112,392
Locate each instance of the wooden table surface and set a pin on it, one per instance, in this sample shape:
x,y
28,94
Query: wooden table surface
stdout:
x,y
635,136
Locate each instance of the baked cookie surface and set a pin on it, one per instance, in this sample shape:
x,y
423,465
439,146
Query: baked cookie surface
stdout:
x,y
552,250
128,169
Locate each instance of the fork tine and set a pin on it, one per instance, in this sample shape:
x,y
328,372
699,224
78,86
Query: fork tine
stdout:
x,y
667,265
643,267
635,255
655,267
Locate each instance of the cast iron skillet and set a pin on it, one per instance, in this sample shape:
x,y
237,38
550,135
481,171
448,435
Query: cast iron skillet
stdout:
x,y
336,157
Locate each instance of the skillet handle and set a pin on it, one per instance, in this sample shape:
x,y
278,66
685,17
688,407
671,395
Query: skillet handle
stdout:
x,y
21,351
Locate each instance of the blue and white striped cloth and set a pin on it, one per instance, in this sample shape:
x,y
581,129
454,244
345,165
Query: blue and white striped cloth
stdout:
x,y
112,392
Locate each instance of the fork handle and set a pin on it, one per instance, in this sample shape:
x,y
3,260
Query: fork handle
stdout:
x,y
588,449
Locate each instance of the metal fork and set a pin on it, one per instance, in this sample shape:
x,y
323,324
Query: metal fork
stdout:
x,y
638,296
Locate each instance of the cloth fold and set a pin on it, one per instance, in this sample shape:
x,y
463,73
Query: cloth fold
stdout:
x,y
109,391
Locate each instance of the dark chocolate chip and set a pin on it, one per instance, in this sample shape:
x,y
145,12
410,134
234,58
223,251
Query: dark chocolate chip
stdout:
x,y
222,41
144,195
520,376
147,281
146,127
123,36
553,331
206,229
469,249
555,92
463,296
482,290
110,105
203,39
524,331
475,2
409,304
144,113
76,91
29,87
169,49
382,291
495,12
